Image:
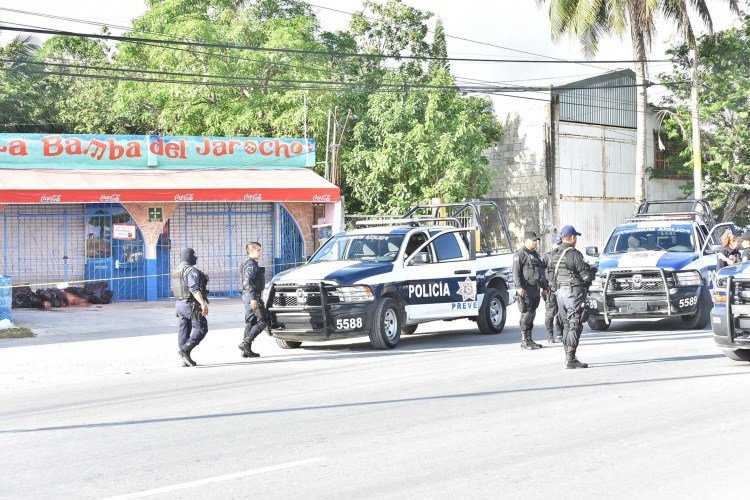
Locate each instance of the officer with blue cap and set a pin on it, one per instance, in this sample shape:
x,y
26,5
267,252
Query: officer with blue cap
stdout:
x,y
572,277
551,319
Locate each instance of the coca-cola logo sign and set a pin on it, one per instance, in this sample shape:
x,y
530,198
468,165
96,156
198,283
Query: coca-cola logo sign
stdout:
x,y
256,197
322,198
184,197
109,198
51,198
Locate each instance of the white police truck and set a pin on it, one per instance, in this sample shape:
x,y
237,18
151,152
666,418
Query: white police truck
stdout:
x,y
730,317
437,262
659,263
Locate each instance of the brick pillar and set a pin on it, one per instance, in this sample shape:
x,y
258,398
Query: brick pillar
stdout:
x,y
303,214
151,232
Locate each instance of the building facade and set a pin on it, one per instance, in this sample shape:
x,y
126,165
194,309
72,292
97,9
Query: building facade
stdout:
x,y
80,209
573,160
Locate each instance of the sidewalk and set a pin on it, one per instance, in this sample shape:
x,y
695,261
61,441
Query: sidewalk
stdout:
x,y
122,319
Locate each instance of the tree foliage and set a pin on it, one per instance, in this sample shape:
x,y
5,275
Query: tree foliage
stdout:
x,y
724,73
399,147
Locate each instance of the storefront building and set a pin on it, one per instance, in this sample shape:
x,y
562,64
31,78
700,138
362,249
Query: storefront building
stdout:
x,y
82,208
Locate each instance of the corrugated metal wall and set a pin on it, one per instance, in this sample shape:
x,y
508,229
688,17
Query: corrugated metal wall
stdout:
x,y
594,179
614,106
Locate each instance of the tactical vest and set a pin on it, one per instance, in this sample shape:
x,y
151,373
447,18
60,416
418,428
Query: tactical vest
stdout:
x,y
179,283
260,277
532,269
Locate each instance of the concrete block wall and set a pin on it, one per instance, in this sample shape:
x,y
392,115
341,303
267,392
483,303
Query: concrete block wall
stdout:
x,y
520,185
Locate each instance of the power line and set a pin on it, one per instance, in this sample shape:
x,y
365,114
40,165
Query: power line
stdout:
x,y
275,50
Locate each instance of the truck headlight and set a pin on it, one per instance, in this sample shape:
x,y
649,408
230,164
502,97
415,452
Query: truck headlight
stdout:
x,y
353,294
688,278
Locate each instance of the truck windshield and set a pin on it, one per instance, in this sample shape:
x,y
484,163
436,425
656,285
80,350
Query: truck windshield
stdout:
x,y
662,239
364,247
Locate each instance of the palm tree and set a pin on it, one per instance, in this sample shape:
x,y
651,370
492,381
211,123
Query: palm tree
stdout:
x,y
589,20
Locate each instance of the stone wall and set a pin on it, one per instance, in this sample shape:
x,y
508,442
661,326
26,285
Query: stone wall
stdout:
x,y
303,214
150,230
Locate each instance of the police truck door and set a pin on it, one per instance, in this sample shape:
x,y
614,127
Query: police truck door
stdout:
x,y
441,282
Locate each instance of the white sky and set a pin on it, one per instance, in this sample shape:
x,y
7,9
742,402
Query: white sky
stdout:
x,y
517,24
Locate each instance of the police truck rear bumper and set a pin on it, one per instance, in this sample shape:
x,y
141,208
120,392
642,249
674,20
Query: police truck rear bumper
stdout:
x,y
330,322
681,301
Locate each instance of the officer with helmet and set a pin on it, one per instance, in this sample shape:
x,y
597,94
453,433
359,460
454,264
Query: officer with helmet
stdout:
x,y
189,285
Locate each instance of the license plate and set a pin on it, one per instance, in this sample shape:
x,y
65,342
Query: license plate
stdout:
x,y
638,307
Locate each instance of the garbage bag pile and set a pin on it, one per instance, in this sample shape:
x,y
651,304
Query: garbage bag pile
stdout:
x,y
47,298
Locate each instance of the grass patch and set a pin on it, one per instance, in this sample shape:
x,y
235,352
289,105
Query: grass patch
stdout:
x,y
16,333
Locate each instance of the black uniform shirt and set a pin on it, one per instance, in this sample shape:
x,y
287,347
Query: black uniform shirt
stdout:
x,y
746,255
528,269
573,270
252,279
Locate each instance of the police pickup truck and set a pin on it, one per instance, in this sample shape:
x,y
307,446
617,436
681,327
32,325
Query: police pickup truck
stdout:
x,y
659,263
730,317
437,262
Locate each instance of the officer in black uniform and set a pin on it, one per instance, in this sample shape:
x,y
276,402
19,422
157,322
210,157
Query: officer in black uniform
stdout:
x,y
573,276
189,286
745,239
528,274
256,314
552,319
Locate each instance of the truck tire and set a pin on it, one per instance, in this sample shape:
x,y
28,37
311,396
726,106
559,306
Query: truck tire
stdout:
x,y
700,319
408,329
598,325
491,319
386,325
737,354
288,344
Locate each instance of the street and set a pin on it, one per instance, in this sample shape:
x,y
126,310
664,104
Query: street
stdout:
x,y
660,413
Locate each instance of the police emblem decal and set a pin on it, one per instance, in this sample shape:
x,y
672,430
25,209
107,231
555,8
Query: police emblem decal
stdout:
x,y
468,289
301,296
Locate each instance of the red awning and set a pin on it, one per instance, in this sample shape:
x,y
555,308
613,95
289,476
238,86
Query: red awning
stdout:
x,y
94,186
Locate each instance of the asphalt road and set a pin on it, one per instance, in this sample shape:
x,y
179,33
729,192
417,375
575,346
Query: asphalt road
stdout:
x,y
449,413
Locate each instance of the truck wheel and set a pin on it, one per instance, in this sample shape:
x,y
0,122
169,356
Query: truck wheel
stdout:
x,y
408,329
288,344
700,319
386,325
598,325
491,319
737,354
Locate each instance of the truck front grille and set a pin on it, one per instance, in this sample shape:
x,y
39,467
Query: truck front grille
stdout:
x,y
647,282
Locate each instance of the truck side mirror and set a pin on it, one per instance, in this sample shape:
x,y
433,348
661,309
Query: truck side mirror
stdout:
x,y
420,258
592,251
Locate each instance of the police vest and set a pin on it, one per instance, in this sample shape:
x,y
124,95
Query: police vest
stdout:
x,y
532,268
260,277
179,284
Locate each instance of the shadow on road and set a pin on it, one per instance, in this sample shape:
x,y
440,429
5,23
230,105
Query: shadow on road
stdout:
x,y
188,418
657,360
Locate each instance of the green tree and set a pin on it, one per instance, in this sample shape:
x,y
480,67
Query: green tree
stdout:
x,y
589,20
724,73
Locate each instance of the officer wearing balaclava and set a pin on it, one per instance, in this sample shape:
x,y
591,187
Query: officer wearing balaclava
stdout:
x,y
189,288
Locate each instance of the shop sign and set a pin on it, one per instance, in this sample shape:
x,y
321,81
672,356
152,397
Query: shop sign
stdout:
x,y
123,231
84,151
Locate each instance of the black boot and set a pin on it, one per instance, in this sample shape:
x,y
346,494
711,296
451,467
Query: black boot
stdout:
x,y
185,353
247,349
527,343
572,362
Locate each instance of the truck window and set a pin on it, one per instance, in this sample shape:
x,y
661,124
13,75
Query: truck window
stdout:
x,y
447,248
667,238
415,242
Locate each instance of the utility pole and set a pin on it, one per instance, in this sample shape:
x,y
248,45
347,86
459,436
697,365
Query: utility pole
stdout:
x,y
696,126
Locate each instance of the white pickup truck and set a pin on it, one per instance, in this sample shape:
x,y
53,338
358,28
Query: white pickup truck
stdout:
x,y
437,262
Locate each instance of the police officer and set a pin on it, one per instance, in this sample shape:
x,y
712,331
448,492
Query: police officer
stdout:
x,y
551,317
189,288
528,274
572,276
256,314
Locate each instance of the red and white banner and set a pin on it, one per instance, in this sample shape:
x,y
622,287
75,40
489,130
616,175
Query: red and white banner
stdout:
x,y
311,195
